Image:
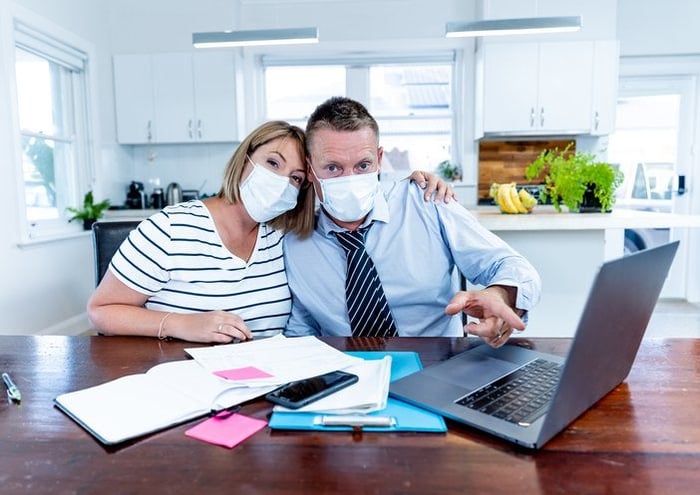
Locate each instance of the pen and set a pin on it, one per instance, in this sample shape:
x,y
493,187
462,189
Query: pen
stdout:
x,y
355,420
12,390
225,412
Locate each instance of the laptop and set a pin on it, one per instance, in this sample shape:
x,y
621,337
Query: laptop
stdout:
x,y
476,386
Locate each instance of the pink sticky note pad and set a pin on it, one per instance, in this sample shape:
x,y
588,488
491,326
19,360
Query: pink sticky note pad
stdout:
x,y
246,373
227,432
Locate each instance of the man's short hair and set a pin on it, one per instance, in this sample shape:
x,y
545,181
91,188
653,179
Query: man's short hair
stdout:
x,y
339,114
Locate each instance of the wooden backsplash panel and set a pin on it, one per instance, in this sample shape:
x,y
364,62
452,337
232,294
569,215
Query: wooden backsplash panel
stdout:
x,y
506,161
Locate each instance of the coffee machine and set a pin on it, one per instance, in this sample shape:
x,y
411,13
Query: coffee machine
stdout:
x,y
135,198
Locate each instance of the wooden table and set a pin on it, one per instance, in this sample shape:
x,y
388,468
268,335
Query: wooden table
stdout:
x,y
644,437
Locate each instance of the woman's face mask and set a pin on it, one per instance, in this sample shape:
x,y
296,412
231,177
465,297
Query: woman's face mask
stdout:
x,y
267,195
351,197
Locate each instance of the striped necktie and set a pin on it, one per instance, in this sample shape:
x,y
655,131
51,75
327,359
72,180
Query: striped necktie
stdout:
x,y
368,309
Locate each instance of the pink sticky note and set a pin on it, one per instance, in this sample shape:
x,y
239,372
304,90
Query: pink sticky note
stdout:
x,y
227,432
246,373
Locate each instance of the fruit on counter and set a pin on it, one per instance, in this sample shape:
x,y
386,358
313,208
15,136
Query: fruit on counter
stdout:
x,y
510,200
527,199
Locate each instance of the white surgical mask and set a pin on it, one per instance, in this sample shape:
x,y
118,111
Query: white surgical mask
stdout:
x,y
351,197
267,195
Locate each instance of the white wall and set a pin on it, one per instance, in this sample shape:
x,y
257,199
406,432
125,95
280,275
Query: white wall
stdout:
x,y
45,288
653,27
381,25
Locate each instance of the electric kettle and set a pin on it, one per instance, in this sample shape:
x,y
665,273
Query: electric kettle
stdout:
x,y
173,194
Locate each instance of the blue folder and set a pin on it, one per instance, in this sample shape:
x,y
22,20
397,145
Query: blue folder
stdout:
x,y
406,416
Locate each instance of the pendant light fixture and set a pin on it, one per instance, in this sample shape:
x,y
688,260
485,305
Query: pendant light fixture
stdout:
x,y
225,39
504,27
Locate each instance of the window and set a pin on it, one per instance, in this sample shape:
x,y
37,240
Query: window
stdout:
x,y
52,111
644,144
410,98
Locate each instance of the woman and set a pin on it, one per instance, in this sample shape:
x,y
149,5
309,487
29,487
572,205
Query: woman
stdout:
x,y
212,270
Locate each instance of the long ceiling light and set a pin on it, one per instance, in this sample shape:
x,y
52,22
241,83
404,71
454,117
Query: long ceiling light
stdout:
x,y
224,39
503,27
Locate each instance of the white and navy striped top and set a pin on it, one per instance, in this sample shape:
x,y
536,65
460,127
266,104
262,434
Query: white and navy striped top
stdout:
x,y
178,259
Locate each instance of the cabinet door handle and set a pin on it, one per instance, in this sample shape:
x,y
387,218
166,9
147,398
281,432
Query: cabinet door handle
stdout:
x,y
149,131
189,128
542,117
532,116
199,128
596,120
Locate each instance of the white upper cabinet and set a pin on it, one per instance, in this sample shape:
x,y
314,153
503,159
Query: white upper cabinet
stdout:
x,y
133,93
215,97
548,88
537,88
175,98
606,64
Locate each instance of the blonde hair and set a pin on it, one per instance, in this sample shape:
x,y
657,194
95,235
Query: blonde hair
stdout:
x,y
300,219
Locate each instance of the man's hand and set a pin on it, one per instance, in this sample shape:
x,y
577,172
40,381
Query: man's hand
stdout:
x,y
431,183
497,320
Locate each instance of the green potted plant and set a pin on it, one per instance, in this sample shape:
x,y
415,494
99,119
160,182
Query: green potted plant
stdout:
x,y
575,179
90,211
449,171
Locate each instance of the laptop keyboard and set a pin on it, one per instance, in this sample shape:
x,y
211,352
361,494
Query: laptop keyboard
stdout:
x,y
519,397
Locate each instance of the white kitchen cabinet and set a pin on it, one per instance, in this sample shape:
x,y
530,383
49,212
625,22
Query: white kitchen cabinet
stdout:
x,y
606,61
133,93
192,98
537,88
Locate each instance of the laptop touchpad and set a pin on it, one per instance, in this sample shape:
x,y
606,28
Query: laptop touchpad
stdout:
x,y
470,370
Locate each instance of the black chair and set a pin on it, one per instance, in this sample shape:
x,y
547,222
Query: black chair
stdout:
x,y
106,239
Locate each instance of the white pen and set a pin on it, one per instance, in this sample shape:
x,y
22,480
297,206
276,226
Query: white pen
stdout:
x,y
12,390
355,420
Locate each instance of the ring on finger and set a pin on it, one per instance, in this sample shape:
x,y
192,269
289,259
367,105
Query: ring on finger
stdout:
x,y
220,327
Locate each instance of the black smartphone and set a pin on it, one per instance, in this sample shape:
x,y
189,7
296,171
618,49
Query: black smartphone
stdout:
x,y
301,392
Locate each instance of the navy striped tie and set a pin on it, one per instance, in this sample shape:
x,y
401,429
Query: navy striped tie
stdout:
x,y
368,309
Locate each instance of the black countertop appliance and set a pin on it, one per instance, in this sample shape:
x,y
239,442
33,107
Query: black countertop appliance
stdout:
x,y
135,197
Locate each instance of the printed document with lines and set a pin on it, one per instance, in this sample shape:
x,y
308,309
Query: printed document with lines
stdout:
x,y
285,359
368,394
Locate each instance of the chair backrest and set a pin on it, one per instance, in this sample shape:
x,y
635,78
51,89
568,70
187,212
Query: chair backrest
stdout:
x,y
106,239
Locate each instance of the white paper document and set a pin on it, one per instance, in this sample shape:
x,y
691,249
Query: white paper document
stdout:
x,y
367,395
286,359
166,395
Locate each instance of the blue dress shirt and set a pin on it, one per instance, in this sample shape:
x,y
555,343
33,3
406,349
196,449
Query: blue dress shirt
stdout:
x,y
415,246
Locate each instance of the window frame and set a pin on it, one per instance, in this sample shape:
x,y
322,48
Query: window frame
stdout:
x,y
37,35
358,86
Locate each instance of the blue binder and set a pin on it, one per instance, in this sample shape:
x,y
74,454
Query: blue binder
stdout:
x,y
406,417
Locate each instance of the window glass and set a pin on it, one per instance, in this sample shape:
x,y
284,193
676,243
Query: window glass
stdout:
x,y
645,145
411,102
51,104
293,92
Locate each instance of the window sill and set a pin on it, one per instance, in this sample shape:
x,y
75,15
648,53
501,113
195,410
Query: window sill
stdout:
x,y
30,242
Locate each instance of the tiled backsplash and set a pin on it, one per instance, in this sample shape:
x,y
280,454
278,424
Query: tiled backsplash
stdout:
x,y
506,161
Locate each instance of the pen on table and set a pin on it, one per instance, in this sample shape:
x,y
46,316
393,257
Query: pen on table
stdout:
x,y
12,390
355,420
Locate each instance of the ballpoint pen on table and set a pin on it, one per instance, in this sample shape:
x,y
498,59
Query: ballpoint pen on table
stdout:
x,y
225,412
12,390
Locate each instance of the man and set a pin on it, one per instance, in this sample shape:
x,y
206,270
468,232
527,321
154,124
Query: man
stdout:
x,y
414,246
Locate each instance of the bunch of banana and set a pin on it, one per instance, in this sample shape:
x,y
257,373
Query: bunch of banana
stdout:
x,y
510,200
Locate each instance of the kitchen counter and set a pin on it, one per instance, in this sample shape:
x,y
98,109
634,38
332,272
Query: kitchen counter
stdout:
x,y
127,214
567,249
547,218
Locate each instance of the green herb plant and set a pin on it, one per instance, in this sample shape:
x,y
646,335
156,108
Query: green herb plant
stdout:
x,y
90,211
449,170
568,176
